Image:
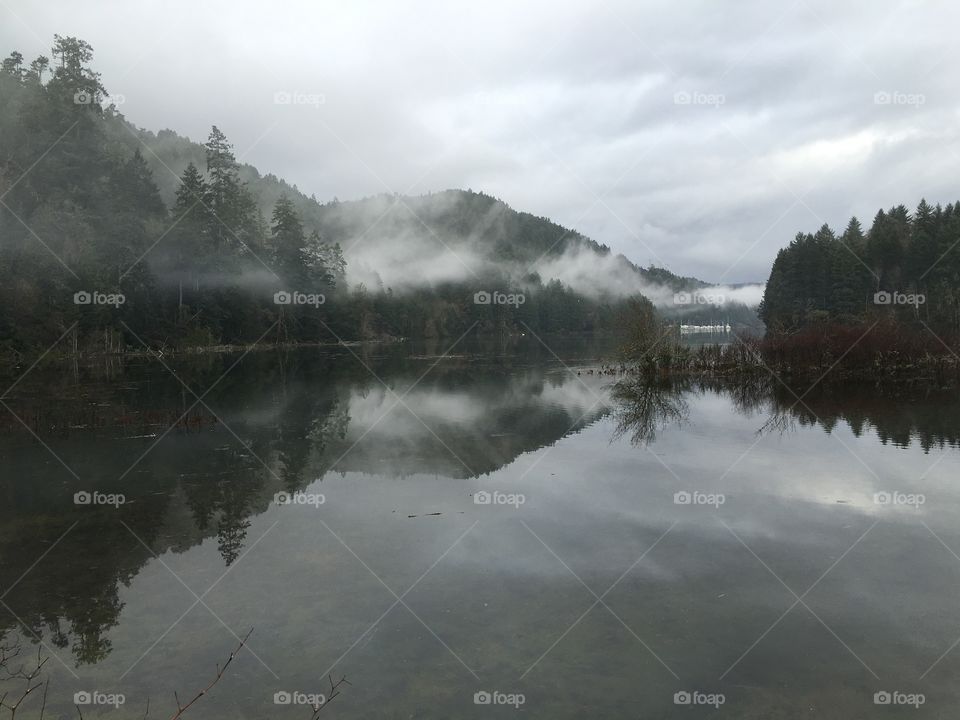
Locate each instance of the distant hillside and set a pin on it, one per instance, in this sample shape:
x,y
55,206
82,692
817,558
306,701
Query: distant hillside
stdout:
x,y
495,232
400,242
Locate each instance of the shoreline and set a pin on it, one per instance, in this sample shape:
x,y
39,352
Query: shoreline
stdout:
x,y
11,361
8,366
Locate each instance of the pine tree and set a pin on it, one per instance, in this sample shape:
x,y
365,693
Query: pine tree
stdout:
x,y
37,68
223,190
289,244
190,246
923,248
13,65
325,262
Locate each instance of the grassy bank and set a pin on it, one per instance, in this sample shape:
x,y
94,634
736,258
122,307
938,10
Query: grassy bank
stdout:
x,y
883,351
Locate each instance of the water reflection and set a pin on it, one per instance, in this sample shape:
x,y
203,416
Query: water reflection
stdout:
x,y
899,415
191,470
196,472
645,405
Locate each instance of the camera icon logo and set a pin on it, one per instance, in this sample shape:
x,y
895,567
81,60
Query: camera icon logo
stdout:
x,y
82,698
682,298
282,97
82,97
882,298
82,498
882,698
682,698
282,698
682,98
482,698
682,498
82,298
882,498
482,498
482,298
282,498
882,98
282,298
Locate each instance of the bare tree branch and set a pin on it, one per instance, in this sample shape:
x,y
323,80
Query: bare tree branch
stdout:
x,y
181,709
334,691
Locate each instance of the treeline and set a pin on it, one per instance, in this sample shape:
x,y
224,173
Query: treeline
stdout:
x,y
904,268
90,249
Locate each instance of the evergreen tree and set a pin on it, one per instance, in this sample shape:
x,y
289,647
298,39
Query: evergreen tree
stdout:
x,y
900,256
289,245
190,247
233,219
13,65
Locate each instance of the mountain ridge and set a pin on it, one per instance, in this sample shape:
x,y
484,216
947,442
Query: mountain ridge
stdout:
x,y
170,153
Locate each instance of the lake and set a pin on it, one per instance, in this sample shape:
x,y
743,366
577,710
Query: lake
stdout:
x,y
491,530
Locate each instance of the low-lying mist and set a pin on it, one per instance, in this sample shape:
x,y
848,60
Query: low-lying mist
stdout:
x,y
409,261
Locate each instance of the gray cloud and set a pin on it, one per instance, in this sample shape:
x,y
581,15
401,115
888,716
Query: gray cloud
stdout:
x,y
566,111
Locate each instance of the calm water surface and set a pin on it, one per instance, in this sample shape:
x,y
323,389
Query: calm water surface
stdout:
x,y
788,584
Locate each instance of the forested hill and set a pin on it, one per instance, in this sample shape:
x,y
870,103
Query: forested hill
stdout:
x,y
505,233
485,233
398,243
116,238
904,267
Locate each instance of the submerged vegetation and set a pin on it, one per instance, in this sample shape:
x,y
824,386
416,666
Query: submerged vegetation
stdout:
x,y
884,351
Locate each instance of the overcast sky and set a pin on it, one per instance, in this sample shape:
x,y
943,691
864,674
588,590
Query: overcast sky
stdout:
x,y
696,135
